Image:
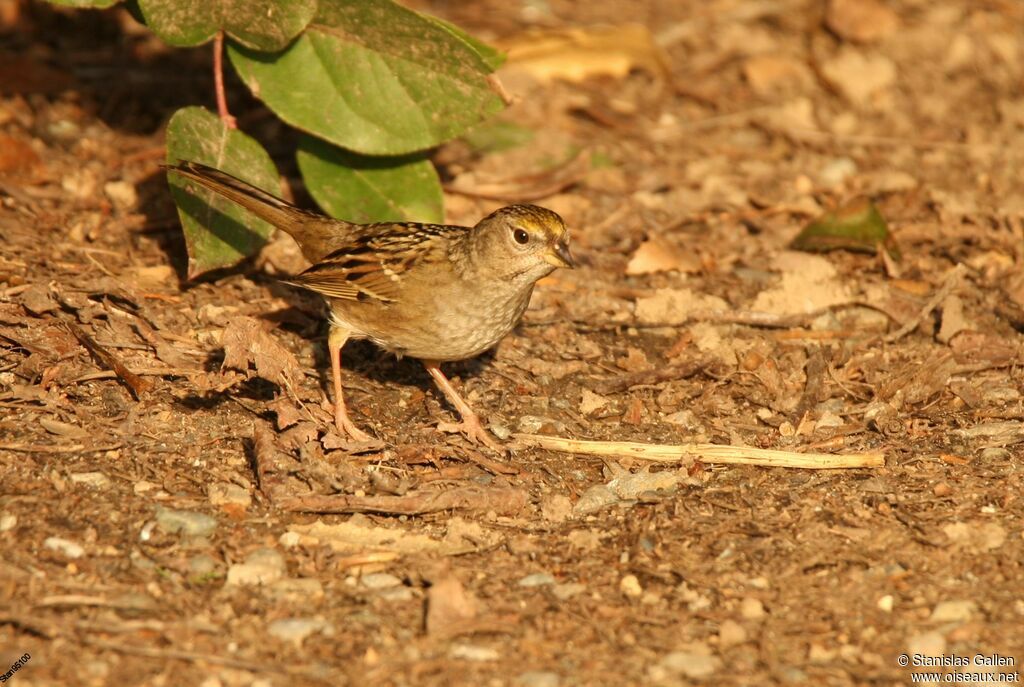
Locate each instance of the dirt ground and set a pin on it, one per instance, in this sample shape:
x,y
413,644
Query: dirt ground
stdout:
x,y
169,534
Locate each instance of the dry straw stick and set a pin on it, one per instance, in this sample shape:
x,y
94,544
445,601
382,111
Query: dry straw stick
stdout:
x,y
708,453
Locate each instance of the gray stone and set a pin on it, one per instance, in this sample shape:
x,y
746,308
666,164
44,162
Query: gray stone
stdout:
x,y
564,592
537,580
261,567
296,629
92,479
539,678
379,581
65,547
470,652
185,522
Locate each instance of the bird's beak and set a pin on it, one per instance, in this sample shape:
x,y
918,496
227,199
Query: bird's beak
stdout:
x,y
559,255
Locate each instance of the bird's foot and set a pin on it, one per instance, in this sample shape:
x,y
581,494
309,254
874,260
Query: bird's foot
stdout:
x,y
471,428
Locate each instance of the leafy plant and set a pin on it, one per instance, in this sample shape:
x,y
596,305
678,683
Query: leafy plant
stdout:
x,y
373,85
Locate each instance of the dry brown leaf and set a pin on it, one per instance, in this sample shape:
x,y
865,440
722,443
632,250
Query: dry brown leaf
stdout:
x,y
770,74
809,283
976,347
591,402
449,606
658,255
675,306
576,54
18,159
245,342
917,383
525,187
953,319
861,21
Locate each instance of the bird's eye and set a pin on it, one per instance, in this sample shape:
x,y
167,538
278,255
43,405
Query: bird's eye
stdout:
x,y
521,237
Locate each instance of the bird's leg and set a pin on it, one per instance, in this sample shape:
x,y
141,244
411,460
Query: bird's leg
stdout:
x,y
335,340
470,425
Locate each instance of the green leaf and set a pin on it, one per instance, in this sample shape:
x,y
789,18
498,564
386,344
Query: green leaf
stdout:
x,y
373,77
496,135
257,24
370,189
492,57
85,4
218,233
856,226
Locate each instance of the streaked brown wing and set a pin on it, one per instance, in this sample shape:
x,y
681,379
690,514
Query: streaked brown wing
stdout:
x,y
371,267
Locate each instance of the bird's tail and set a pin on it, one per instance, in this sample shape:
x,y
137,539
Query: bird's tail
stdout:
x,y
267,207
313,232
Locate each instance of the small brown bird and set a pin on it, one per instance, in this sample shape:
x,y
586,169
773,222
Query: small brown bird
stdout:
x,y
435,292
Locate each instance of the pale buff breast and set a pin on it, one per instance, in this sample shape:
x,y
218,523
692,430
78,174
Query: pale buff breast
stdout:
x,y
454,324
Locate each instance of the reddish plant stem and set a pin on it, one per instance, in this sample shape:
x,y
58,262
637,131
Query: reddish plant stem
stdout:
x,y
218,81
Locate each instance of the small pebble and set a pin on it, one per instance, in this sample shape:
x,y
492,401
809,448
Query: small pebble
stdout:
x,y
296,629
66,547
379,581
630,586
837,171
927,644
201,565
564,592
470,652
92,479
752,609
537,580
557,508
992,454
954,611
228,494
122,194
289,540
731,633
261,567
538,678
397,594
820,655
594,499
185,522
696,664
500,431
8,521
886,603
298,588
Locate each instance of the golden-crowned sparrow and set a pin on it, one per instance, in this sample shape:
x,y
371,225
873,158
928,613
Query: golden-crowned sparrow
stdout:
x,y
431,291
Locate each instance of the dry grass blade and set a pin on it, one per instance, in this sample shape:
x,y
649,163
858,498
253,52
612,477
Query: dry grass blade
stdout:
x,y
137,384
951,282
504,501
525,188
709,453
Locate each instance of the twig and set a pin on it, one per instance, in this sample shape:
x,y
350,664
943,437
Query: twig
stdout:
x,y
218,81
137,384
495,467
28,625
709,453
180,655
749,318
144,372
499,89
503,501
611,385
952,280
42,448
